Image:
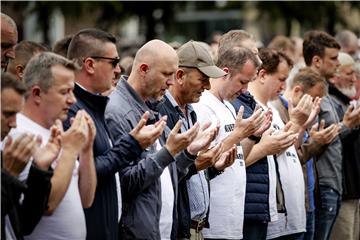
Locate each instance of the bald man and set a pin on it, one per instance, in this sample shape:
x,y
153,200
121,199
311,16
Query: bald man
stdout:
x,y
9,38
149,185
96,51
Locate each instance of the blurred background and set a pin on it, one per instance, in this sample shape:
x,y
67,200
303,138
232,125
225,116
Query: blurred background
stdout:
x,y
135,22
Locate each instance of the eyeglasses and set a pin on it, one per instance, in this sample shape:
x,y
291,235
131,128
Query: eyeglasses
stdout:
x,y
114,61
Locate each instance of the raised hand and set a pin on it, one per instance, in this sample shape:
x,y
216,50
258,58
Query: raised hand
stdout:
x,y
148,134
77,135
44,156
314,112
266,123
203,138
226,159
177,142
88,145
299,115
17,154
275,143
323,135
351,118
208,157
247,127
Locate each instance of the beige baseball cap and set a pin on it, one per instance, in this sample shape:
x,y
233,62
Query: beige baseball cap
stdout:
x,y
193,54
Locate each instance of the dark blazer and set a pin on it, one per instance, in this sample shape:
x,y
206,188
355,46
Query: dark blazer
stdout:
x,y
102,216
350,140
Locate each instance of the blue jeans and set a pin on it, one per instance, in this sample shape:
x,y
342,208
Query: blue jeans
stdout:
x,y
310,227
326,215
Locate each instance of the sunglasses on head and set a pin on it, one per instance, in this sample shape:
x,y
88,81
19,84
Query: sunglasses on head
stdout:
x,y
114,61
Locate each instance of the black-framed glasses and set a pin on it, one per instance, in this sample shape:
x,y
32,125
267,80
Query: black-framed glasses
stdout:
x,y
114,61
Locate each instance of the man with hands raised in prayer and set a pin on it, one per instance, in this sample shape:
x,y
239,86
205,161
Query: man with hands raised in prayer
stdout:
x,y
20,218
227,191
49,79
149,184
191,79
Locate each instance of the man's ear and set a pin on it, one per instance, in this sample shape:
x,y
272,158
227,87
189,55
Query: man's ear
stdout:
x,y
89,65
316,61
36,94
261,75
179,76
144,68
298,90
19,69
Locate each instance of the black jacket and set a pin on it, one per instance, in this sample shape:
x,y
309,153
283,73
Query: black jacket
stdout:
x,y
25,216
102,216
351,150
183,208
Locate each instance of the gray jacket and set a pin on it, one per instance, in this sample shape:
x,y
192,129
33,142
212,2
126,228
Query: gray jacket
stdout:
x,y
329,163
140,182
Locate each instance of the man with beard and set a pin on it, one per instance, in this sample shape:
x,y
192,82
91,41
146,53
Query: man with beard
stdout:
x,y
321,52
342,90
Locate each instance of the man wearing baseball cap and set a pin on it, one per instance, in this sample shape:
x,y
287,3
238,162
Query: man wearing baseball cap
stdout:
x,y
196,67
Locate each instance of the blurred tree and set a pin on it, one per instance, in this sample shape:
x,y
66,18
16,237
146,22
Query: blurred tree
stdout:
x,y
324,14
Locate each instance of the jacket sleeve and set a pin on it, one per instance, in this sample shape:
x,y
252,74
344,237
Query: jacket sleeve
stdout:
x,y
36,198
137,177
125,150
308,150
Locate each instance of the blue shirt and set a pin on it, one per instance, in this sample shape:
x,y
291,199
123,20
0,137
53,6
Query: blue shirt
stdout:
x,y
197,185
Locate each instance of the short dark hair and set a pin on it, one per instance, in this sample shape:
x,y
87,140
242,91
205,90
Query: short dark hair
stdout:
x,y
235,58
307,78
62,45
271,59
315,43
24,51
89,42
8,80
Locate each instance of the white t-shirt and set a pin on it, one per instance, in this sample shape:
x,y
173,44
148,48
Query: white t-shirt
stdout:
x,y
292,181
272,180
68,219
167,202
227,191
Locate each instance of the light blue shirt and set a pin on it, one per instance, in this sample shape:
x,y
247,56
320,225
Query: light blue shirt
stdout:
x,y
197,185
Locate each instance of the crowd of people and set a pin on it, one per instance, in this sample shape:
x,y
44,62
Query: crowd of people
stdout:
x,y
180,141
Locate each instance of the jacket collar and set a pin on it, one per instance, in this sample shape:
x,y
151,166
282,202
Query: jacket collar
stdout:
x,y
94,101
153,107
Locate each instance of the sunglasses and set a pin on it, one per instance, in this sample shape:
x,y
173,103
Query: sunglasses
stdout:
x,y
114,61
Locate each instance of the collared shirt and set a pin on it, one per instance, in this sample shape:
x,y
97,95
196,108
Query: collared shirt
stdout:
x,y
197,185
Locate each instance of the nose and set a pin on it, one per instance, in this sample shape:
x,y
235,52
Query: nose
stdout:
x,y
207,84
10,52
283,86
12,122
171,80
117,70
72,99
